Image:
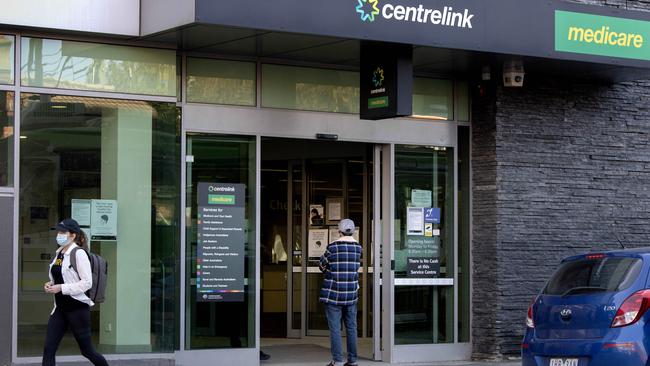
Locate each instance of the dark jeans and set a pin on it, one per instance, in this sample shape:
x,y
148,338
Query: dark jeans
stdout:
x,y
79,322
349,315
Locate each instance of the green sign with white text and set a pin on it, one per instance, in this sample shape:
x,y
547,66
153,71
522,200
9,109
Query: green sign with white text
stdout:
x,y
602,35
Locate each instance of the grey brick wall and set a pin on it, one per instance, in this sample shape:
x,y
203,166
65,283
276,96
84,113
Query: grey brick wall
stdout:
x,y
571,164
484,212
641,5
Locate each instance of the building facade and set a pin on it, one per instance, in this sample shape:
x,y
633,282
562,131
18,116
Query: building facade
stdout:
x,y
209,149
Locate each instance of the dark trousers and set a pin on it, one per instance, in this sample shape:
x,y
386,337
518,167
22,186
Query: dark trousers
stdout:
x,y
79,322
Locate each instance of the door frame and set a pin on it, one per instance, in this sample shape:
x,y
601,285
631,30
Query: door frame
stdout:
x,y
247,356
258,122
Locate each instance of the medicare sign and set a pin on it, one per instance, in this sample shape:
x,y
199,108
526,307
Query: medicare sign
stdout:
x,y
602,35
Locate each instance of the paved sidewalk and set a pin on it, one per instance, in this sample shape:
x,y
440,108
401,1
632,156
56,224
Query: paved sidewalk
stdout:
x,y
319,355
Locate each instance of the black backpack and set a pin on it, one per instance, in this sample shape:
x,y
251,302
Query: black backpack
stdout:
x,y
99,269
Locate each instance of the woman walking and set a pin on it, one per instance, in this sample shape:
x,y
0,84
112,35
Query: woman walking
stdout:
x,y
69,286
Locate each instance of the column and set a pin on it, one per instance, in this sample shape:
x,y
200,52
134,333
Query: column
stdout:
x,y
126,177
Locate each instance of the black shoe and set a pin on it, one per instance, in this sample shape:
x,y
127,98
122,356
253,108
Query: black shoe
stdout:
x,y
264,356
351,364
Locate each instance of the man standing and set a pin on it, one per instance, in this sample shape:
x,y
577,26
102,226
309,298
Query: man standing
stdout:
x,y
340,264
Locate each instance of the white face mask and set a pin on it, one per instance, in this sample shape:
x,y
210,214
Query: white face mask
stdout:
x,y
61,239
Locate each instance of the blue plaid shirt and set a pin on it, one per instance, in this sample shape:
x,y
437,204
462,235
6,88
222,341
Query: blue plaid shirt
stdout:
x,y
340,264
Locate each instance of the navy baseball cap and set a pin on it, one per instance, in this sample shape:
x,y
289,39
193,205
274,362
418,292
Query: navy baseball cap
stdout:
x,y
68,225
346,226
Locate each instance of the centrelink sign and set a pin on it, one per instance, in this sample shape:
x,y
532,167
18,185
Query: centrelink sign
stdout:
x,y
369,10
588,33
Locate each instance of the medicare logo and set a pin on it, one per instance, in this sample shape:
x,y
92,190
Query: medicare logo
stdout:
x,y
368,10
378,77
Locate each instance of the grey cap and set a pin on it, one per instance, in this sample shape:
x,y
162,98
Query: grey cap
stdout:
x,y
346,226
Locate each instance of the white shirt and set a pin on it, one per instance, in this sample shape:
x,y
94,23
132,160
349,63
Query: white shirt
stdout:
x,y
74,285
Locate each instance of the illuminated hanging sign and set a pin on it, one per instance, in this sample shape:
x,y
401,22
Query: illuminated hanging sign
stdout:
x,y
386,80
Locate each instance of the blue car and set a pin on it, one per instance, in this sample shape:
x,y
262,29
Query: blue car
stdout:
x,y
592,312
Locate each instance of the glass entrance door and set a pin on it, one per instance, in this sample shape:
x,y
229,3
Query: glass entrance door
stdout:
x,y
220,247
302,201
421,267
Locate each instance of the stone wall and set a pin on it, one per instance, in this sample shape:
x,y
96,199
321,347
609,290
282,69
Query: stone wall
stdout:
x,y
559,168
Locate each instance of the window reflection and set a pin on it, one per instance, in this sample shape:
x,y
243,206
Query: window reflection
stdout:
x,y
310,89
91,66
6,138
79,148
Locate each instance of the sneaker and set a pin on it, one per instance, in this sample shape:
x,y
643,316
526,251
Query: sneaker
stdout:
x,y
264,356
351,364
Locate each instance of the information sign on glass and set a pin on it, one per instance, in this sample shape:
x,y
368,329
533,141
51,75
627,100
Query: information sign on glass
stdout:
x,y
220,242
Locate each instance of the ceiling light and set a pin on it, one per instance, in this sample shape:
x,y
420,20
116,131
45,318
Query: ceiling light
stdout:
x,y
437,118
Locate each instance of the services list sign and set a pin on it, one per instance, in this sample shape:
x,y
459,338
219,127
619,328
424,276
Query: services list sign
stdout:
x,y
221,238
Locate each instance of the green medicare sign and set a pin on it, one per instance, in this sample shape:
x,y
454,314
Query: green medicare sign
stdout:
x,y
602,35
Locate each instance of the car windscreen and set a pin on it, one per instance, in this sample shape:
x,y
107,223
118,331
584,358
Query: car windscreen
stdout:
x,y
601,274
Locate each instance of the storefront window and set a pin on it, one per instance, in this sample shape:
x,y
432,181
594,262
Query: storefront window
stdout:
x,y
310,89
7,59
61,64
221,242
221,82
76,151
424,245
6,138
433,98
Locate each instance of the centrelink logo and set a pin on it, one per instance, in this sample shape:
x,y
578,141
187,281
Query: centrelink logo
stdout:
x,y
369,10
378,77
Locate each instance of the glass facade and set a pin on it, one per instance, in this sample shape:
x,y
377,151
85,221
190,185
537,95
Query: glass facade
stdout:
x,y
75,151
62,64
7,59
310,89
424,310
221,81
6,138
433,98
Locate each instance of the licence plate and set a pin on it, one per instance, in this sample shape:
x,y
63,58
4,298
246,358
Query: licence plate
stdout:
x,y
563,362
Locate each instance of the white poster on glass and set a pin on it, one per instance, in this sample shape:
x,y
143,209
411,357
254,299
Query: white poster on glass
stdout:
x,y
81,211
317,242
414,221
103,220
421,198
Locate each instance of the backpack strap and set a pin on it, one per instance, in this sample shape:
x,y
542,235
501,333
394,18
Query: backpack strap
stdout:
x,y
73,258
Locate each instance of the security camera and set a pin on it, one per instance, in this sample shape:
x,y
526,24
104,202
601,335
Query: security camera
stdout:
x,y
513,73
